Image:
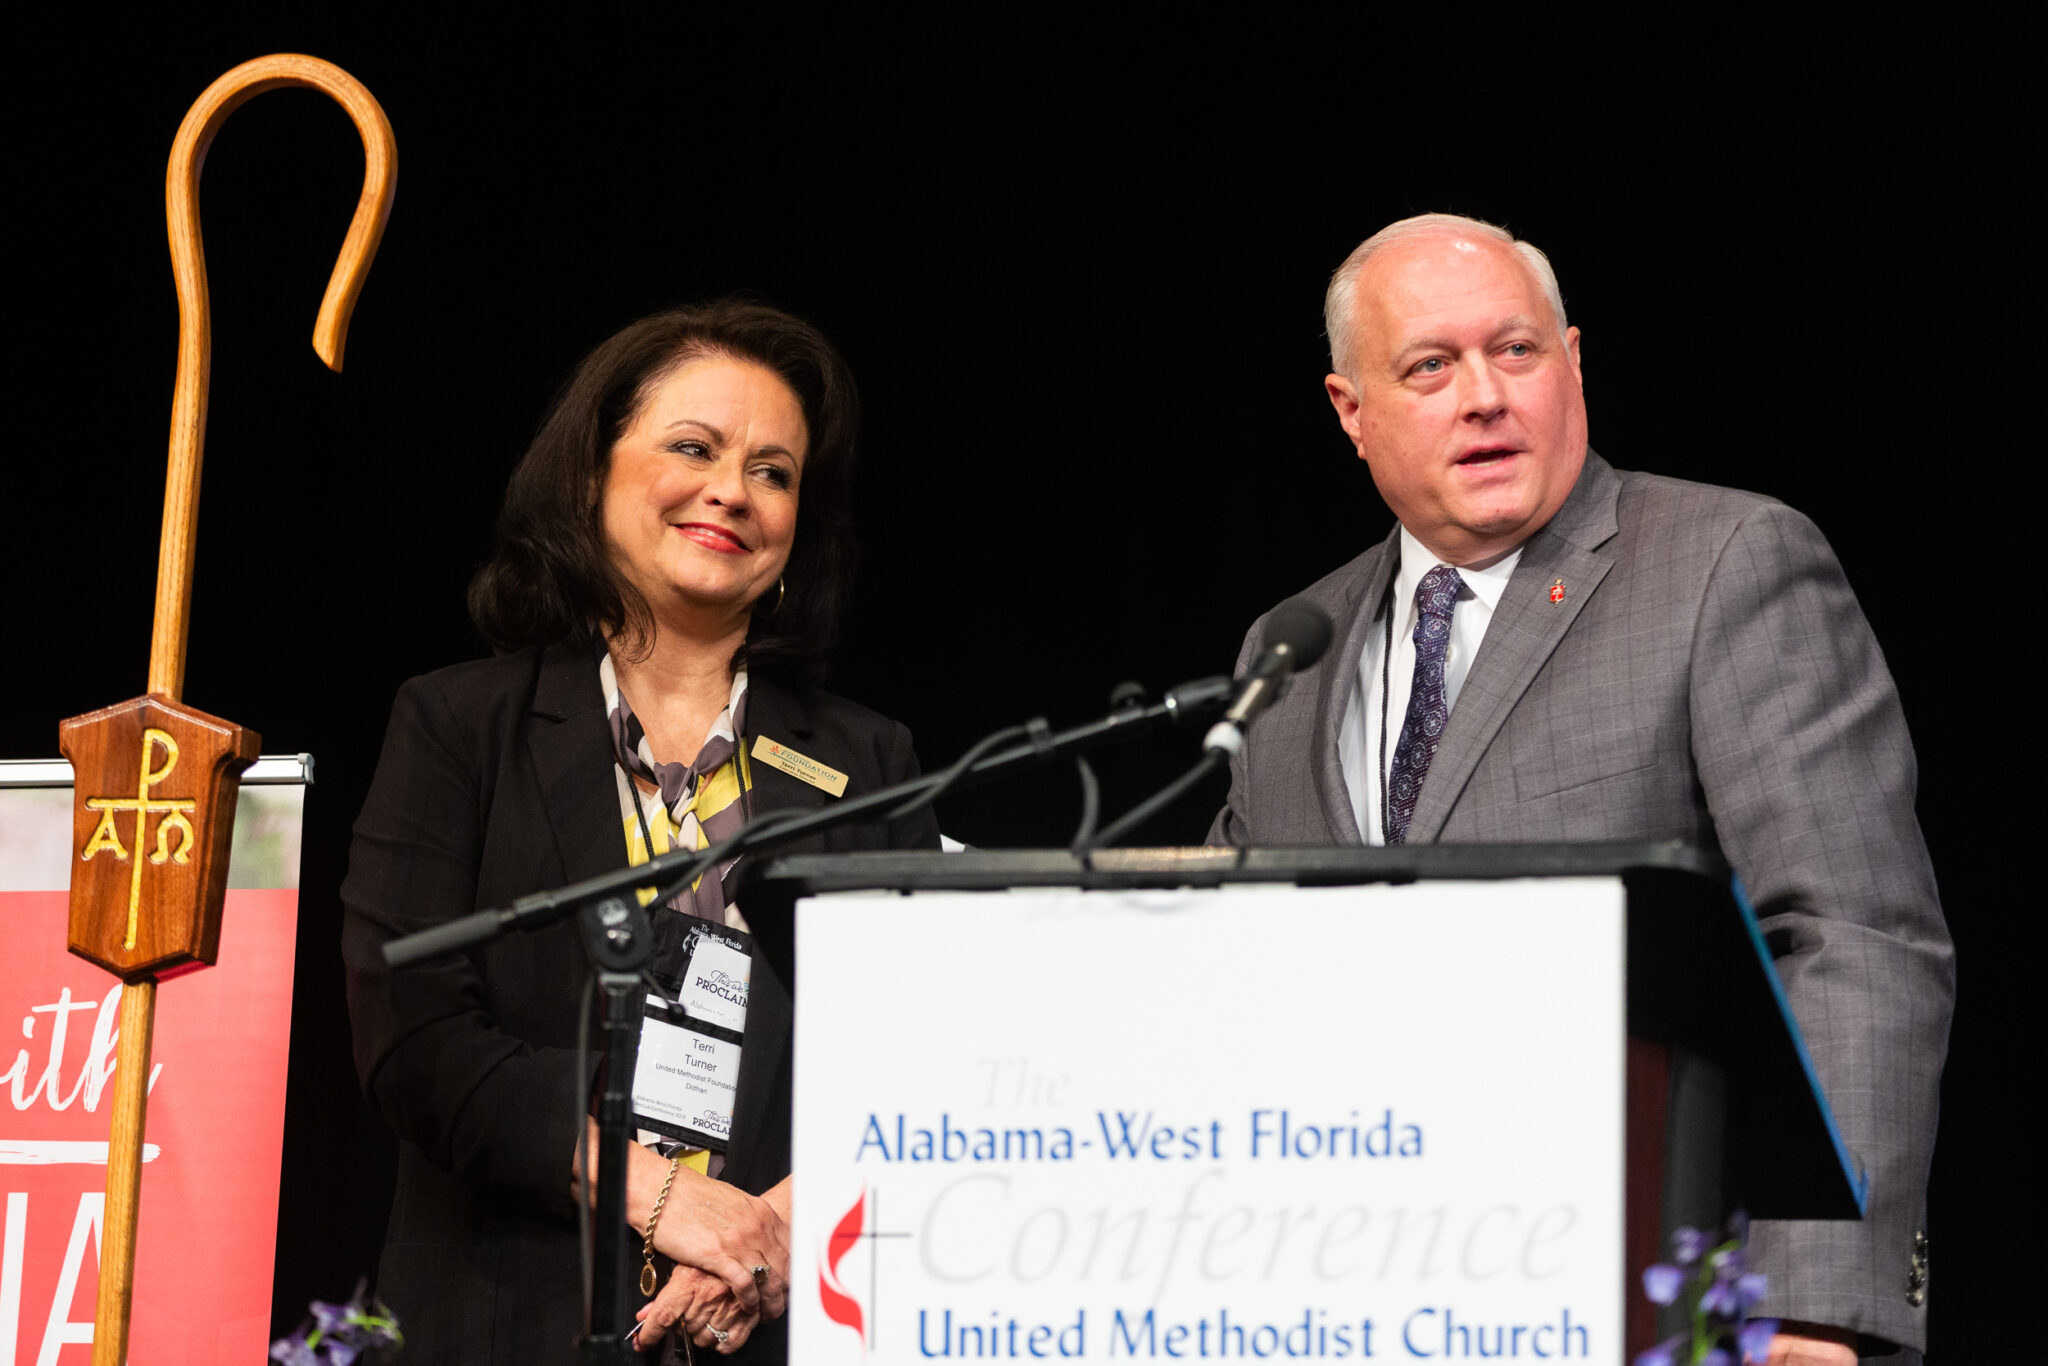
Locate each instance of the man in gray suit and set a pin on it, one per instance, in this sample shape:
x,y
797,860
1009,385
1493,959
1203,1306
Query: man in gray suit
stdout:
x,y
1549,649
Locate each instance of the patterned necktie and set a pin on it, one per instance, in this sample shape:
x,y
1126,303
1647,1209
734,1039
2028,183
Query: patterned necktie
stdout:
x,y
1435,596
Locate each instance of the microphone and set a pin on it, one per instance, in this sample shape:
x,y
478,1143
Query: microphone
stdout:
x,y
1296,635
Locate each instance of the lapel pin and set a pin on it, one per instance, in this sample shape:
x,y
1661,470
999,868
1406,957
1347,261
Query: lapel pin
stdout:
x,y
1557,592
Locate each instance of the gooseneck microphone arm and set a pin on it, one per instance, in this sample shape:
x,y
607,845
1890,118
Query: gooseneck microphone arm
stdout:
x,y
1211,761
1296,635
683,866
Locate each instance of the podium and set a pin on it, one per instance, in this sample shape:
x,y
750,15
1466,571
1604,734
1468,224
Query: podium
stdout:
x,y
1707,1081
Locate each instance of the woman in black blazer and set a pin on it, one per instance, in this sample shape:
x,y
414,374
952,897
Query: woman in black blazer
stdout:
x,y
672,561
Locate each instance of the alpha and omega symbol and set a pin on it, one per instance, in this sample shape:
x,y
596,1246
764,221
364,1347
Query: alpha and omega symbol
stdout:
x,y
175,813
151,821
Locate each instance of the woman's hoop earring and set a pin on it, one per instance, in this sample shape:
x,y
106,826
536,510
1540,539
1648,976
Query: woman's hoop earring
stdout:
x,y
781,591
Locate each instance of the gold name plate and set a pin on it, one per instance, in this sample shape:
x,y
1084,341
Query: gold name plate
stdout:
x,y
802,767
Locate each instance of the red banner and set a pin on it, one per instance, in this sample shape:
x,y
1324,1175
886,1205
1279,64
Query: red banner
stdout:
x,y
213,1142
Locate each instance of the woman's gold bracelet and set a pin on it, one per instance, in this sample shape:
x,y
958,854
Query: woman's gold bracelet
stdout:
x,y
648,1283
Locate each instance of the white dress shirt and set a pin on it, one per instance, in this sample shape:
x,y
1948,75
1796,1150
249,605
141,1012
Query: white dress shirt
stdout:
x,y
1358,742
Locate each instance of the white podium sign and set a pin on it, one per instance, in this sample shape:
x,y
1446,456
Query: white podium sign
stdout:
x,y
1345,1123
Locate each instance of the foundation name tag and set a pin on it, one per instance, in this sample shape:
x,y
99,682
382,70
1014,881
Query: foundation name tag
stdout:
x,y
802,767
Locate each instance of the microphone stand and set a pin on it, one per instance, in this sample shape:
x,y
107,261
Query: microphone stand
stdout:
x,y
1213,759
620,940
680,867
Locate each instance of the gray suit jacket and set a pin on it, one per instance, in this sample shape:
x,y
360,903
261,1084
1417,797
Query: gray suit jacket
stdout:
x,y
1707,677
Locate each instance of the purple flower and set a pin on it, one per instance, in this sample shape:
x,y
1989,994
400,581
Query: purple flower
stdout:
x,y
1662,1282
293,1351
332,1318
1687,1244
1733,1292
1664,1353
337,1334
1720,1300
1755,1338
1727,1291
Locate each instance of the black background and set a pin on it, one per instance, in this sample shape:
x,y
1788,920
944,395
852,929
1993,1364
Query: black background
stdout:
x,y
1078,269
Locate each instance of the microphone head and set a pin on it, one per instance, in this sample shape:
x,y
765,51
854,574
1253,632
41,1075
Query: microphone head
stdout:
x,y
1303,628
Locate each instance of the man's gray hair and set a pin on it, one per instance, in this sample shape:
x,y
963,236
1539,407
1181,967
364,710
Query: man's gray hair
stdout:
x,y
1339,321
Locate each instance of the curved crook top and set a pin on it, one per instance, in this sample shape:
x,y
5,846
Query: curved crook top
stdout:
x,y
365,231
195,323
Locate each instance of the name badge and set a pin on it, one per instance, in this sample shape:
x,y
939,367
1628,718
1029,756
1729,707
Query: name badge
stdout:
x,y
687,1076
714,988
685,1084
802,767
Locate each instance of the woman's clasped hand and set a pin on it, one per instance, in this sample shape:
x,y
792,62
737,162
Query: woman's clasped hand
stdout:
x,y
720,1309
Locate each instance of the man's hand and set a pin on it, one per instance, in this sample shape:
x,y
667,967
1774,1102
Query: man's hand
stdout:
x,y
1795,1349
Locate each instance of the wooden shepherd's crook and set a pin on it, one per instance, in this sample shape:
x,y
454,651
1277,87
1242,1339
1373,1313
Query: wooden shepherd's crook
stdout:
x,y
195,319
175,552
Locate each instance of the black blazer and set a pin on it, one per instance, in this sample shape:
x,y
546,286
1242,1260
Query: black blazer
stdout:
x,y
496,781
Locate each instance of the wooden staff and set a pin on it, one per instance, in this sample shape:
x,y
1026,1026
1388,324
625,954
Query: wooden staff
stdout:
x,y
139,922
195,318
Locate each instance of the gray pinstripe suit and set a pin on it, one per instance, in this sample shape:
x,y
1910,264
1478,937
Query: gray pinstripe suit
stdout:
x,y
1709,677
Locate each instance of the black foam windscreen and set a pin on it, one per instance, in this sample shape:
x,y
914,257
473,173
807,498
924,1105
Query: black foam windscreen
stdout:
x,y
1301,626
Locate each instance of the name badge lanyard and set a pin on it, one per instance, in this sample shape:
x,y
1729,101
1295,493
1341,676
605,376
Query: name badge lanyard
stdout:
x,y
664,964
1386,691
678,1041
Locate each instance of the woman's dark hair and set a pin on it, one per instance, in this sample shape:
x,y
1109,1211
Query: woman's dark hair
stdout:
x,y
550,576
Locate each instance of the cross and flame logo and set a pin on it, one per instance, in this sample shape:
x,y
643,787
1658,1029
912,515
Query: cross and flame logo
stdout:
x,y
840,1304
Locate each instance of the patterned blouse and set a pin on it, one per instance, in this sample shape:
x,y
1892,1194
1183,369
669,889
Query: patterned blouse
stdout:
x,y
694,804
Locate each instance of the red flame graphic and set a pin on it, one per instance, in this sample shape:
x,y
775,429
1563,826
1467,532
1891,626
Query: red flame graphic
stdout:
x,y
841,1307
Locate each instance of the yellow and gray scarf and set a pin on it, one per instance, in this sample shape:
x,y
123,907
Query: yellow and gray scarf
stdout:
x,y
694,805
